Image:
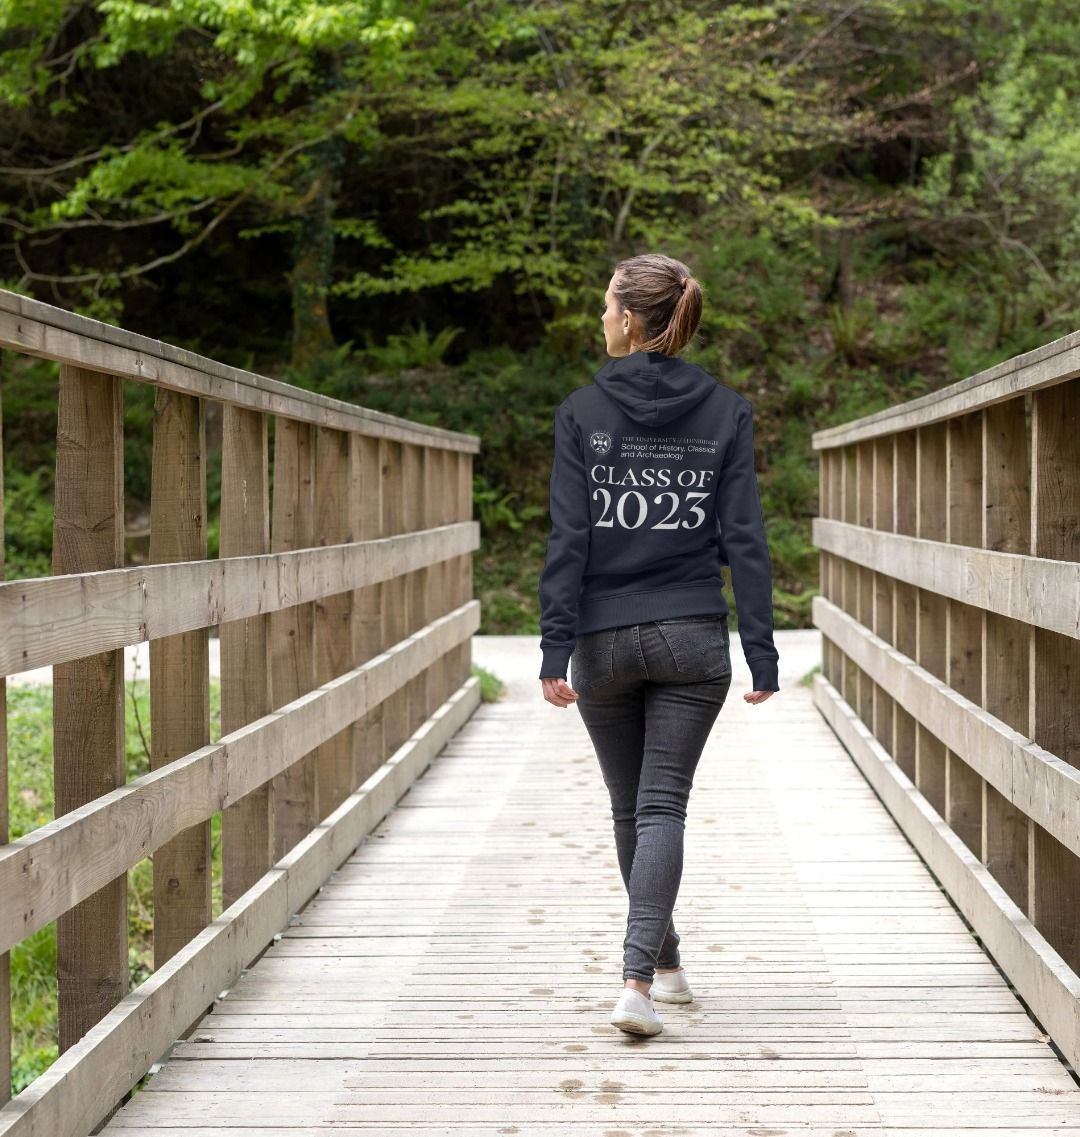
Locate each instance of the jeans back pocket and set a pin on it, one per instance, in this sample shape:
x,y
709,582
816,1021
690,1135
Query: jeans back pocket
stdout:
x,y
700,645
591,662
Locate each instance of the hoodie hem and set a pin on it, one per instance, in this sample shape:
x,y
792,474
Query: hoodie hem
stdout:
x,y
621,609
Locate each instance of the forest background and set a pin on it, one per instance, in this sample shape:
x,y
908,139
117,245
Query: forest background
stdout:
x,y
417,207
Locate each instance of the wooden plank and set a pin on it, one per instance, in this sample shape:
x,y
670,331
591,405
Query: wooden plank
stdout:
x,y
333,614
88,693
292,629
49,870
365,504
394,597
465,509
247,824
963,794
77,1090
414,516
830,972
1040,368
54,619
1033,590
1040,784
1041,976
179,666
36,328
1054,699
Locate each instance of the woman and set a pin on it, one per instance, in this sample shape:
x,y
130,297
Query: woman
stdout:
x,y
652,489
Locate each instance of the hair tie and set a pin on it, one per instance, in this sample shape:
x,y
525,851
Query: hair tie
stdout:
x,y
682,287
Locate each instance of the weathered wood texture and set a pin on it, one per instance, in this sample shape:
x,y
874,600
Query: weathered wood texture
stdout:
x,y
455,975
968,634
309,658
88,693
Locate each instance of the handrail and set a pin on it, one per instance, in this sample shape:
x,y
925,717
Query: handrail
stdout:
x,y
949,532
345,611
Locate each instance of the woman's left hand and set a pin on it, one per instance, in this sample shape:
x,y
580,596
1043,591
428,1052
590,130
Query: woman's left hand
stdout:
x,y
558,692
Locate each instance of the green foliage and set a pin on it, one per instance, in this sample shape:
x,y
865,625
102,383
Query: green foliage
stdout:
x,y
492,687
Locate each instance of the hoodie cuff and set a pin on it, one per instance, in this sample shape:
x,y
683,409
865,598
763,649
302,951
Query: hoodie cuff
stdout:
x,y
556,662
764,672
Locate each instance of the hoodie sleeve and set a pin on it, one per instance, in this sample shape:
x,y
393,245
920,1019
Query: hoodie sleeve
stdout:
x,y
567,548
745,549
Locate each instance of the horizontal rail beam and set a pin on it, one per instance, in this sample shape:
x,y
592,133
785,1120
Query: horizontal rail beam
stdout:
x,y
1035,590
47,872
36,328
1055,362
1036,970
80,1087
54,619
1041,785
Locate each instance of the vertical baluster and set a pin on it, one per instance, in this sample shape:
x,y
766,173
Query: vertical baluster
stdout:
x,y
465,508
292,629
964,505
435,490
179,665
247,825
366,519
416,590
882,520
332,614
905,467
930,607
1006,528
88,693
1053,869
394,591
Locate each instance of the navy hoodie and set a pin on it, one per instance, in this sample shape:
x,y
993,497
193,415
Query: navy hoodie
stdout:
x,y
652,489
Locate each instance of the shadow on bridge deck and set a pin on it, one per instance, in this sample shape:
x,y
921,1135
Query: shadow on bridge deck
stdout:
x,y
455,976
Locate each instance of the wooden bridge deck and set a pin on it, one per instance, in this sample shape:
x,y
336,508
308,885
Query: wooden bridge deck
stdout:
x,y
455,976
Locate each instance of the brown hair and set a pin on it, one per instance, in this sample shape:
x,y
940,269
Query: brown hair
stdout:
x,y
663,296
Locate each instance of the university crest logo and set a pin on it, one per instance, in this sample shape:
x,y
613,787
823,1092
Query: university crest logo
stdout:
x,y
600,441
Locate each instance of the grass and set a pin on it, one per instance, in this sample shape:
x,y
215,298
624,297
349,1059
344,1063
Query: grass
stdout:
x,y
30,771
492,687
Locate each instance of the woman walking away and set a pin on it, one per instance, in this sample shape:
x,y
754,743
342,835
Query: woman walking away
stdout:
x,y
652,490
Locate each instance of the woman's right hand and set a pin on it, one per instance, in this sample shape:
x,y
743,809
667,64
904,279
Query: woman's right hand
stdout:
x,y
558,692
757,696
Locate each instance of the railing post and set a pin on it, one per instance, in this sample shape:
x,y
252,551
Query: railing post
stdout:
x,y
930,607
292,629
334,779
1054,870
963,663
883,519
436,492
1007,529
88,693
905,487
416,588
366,520
179,665
247,845
394,591
464,512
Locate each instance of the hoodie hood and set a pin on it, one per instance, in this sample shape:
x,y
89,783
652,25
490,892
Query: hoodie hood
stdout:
x,y
654,388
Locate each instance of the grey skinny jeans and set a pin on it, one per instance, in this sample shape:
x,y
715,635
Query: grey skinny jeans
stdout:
x,y
649,695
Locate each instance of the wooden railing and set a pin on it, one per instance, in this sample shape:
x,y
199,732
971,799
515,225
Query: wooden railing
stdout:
x,y
344,600
950,614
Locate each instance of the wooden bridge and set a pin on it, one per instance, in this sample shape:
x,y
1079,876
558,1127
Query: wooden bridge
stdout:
x,y
423,915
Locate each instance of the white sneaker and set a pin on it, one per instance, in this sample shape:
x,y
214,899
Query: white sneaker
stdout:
x,y
671,987
634,1012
